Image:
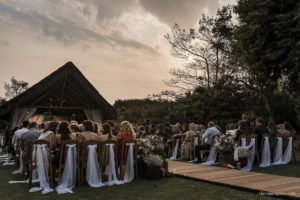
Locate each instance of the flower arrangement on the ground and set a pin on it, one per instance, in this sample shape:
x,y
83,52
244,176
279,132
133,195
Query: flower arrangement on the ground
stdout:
x,y
150,150
225,144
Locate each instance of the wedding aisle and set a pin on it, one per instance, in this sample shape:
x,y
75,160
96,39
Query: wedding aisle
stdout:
x,y
265,183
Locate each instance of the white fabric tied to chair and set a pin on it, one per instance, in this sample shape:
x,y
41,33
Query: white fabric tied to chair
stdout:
x,y
42,170
211,160
112,168
286,158
34,179
174,155
251,158
68,180
93,174
20,170
278,152
235,153
1,143
7,160
129,172
266,154
243,142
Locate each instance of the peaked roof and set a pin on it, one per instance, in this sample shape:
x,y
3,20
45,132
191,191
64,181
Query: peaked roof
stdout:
x,y
63,92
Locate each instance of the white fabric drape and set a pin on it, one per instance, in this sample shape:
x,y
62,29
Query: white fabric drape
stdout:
x,y
20,170
211,160
251,158
243,142
94,115
112,175
278,152
93,174
266,154
236,151
42,165
22,114
68,179
129,171
175,151
7,160
286,158
1,143
34,178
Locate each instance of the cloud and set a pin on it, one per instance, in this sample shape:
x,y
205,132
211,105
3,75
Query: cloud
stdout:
x,y
64,30
184,12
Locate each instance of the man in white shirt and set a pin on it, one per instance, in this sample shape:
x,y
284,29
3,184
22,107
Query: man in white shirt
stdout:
x,y
19,133
206,138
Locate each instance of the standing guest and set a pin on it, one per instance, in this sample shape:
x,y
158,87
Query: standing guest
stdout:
x,y
259,130
112,125
207,138
49,133
19,133
243,129
272,131
107,133
87,132
32,134
186,145
288,129
230,129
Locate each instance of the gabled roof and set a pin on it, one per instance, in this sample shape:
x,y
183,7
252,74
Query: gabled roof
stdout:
x,y
64,90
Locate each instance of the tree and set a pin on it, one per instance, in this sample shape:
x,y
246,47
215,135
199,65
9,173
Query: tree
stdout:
x,y
15,87
206,53
267,45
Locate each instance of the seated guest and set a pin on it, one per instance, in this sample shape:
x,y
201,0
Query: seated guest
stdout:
x,y
107,133
206,138
272,131
126,133
18,133
259,130
230,129
288,129
87,132
64,133
32,134
243,129
49,133
186,145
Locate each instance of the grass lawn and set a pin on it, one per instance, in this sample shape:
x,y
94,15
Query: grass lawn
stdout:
x,y
165,188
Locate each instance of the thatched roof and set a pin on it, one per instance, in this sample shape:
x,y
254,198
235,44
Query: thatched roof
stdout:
x,y
64,92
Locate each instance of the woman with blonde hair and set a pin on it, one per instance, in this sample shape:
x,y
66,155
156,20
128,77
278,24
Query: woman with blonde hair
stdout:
x,y
186,146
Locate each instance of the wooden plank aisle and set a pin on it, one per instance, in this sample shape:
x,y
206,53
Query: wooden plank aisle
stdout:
x,y
288,186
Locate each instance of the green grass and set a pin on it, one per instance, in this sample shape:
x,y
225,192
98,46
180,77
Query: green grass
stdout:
x,y
292,169
164,188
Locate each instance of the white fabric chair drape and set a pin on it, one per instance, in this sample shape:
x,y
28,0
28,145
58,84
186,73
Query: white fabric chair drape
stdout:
x,y
129,171
7,160
235,153
211,160
22,114
175,151
243,142
42,170
1,143
112,175
278,153
93,173
286,158
252,154
266,154
68,180
20,170
34,178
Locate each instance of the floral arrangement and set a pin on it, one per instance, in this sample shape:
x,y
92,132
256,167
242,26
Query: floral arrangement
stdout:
x,y
150,149
152,160
243,152
225,144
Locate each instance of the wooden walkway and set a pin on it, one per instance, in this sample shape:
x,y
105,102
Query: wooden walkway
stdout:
x,y
282,185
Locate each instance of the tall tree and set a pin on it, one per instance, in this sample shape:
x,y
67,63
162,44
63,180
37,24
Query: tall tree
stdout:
x,y
15,87
206,53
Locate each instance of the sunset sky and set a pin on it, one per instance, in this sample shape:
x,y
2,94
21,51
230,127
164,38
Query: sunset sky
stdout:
x,y
118,45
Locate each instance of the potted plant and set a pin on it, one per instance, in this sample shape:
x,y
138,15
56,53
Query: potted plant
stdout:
x,y
153,166
243,155
225,146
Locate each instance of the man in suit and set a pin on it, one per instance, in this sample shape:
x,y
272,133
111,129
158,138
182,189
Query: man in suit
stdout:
x,y
32,134
259,130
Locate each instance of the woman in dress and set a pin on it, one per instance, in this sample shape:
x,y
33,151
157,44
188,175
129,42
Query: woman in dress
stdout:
x,y
106,133
49,134
186,145
87,132
64,133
